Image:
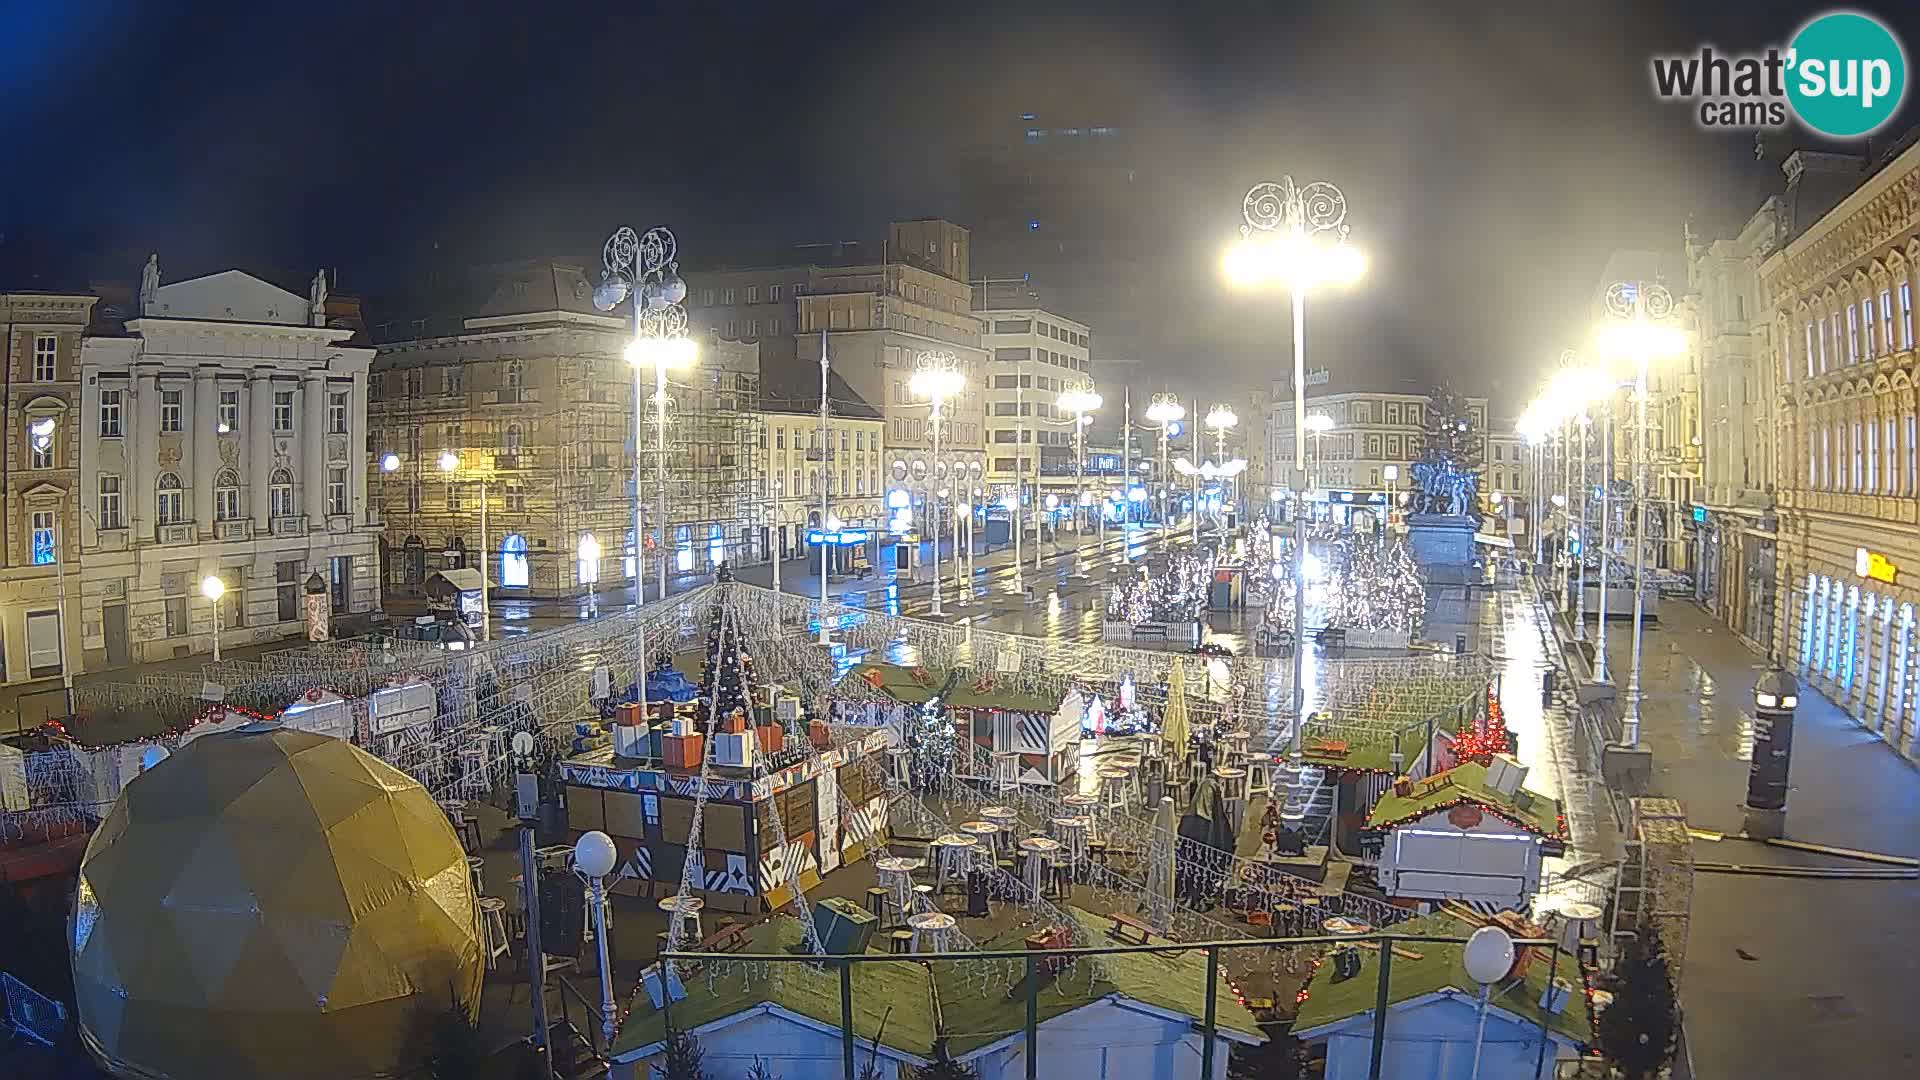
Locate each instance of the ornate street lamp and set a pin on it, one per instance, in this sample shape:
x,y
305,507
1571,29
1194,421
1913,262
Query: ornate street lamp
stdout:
x,y
1295,236
936,375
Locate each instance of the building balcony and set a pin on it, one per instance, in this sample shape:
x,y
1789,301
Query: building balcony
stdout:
x,y
295,525
512,459
238,529
523,395
174,533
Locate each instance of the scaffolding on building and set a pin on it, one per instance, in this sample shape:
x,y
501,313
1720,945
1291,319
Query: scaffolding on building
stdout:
x,y
714,461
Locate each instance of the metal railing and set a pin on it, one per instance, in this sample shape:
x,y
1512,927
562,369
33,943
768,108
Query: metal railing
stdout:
x,y
1382,945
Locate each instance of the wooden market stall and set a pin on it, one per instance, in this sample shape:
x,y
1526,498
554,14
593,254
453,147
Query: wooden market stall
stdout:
x,y
1039,735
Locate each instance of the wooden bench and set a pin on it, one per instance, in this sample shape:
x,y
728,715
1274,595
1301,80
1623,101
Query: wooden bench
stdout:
x,y
1128,930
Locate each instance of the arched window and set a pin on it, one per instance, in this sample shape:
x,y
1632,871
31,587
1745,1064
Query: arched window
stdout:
x,y
226,496
170,502
280,494
513,562
514,437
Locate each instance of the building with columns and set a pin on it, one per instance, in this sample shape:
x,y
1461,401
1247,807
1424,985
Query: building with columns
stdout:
x,y
222,428
1840,296
39,562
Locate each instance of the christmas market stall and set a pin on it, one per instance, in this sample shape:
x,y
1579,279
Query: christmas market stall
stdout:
x,y
767,799
1471,833
1036,738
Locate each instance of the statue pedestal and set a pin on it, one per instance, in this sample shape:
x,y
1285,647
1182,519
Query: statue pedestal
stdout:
x,y
1443,546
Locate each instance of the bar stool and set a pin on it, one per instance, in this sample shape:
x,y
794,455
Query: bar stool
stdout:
x,y
1259,775
1006,773
1086,806
900,942
493,923
877,897
1114,783
934,927
895,874
1008,819
474,780
687,910
1041,852
953,854
465,825
476,872
1072,834
922,899
1234,744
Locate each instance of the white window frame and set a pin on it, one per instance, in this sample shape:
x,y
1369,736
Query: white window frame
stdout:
x,y
773,294
753,294
229,409
1906,315
46,357
283,410
226,496
339,408
110,411
337,491
38,522
280,502
1866,327
1810,355
39,455
169,501
1886,320
172,408
108,504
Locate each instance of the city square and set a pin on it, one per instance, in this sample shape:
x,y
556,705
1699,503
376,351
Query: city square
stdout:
x,y
1137,573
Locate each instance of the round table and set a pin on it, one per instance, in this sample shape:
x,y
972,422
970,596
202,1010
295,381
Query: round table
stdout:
x,y
983,832
951,853
1040,854
1340,924
934,924
1072,831
896,873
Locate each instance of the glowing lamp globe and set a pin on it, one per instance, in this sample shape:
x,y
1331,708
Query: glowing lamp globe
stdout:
x,y
609,293
1488,955
594,854
271,902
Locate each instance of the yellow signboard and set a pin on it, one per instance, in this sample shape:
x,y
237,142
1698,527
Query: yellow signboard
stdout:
x,y
1874,566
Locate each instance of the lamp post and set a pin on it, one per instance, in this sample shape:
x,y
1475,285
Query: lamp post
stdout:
x,y
936,375
1606,534
1080,401
590,571
1584,425
826,486
1221,418
1296,236
449,464
645,266
1318,425
1637,332
213,589
1166,412
594,856
776,539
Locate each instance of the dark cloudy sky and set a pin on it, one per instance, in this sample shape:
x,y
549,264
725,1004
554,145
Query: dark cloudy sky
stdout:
x,y
1492,154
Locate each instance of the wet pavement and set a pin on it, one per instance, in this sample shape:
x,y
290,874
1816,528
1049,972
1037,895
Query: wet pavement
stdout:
x,y
1784,976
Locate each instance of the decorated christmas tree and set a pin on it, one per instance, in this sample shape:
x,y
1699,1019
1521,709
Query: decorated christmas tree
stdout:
x,y
1449,431
1638,1031
723,672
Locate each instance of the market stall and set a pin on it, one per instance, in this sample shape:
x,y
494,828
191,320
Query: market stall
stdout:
x,y
1003,722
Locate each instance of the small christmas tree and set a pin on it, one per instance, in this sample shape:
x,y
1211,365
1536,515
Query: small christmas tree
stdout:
x,y
1449,431
1638,1031
723,673
683,1058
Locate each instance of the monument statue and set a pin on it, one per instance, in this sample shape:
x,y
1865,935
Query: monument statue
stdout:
x,y
317,298
149,282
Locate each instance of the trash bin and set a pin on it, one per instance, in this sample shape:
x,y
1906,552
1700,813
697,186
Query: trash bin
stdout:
x,y
1546,687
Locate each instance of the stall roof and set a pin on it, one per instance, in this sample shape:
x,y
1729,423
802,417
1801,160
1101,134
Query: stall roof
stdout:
x,y
1441,968
1466,783
463,579
898,683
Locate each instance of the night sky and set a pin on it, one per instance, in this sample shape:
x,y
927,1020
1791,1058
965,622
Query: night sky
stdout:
x,y
1492,154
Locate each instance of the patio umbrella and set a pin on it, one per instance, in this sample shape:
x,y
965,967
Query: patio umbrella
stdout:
x,y
1174,728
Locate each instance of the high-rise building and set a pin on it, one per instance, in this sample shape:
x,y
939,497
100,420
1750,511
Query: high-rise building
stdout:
x,y
877,314
1035,356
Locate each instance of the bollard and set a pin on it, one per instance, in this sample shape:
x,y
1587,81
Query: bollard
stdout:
x,y
1775,697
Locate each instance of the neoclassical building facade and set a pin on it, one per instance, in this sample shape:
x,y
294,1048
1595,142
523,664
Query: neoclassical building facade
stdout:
x,y
1841,295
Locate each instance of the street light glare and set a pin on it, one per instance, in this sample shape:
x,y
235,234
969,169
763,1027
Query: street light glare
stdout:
x,y
936,383
670,353
1636,341
1165,412
389,462
212,587
1294,260
1222,417
1319,423
449,461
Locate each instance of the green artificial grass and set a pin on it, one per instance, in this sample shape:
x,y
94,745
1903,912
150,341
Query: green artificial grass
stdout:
x,y
898,683
1441,967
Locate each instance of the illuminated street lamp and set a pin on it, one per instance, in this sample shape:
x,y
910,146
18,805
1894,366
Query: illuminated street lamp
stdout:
x,y
590,571
1318,424
1295,237
1222,419
40,434
937,377
1080,401
1638,333
449,464
1166,413
213,589
646,267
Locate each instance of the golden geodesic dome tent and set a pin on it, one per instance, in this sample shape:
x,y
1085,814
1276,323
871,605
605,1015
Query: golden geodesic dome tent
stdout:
x,y
271,903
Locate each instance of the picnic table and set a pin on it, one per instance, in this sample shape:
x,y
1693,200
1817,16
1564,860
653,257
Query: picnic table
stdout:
x,y
1128,930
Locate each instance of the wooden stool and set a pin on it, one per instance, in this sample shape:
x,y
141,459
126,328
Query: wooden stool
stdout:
x,y
900,942
1114,783
896,873
932,927
953,855
476,872
1097,852
922,900
493,923
877,901
1259,776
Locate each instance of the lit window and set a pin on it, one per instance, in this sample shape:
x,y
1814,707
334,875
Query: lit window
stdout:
x,y
1810,369
43,538
40,444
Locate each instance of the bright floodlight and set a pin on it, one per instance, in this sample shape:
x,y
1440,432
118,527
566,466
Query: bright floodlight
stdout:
x,y
589,548
1319,423
212,587
1080,401
389,462
1572,389
1294,260
594,854
670,353
1639,341
1221,417
449,461
1053,502
936,383
1165,412
1184,467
